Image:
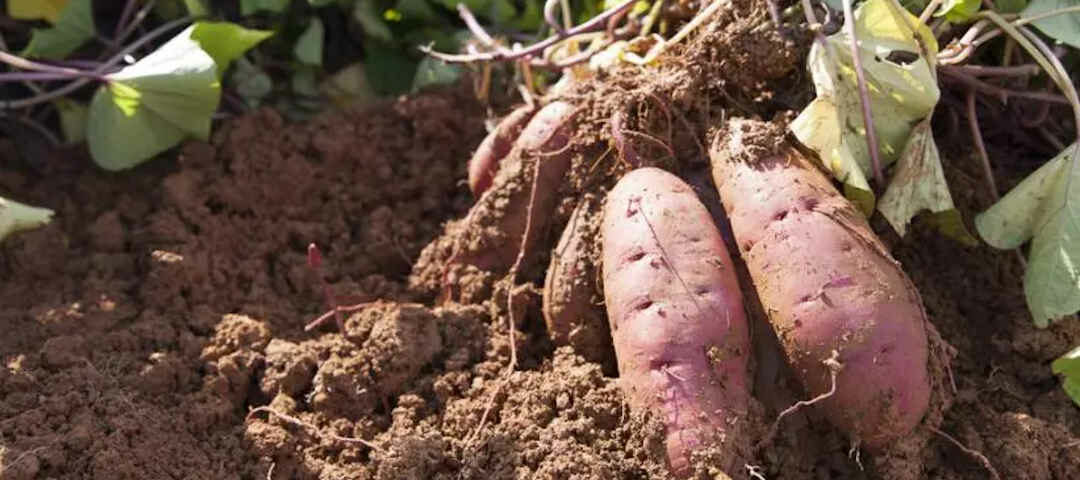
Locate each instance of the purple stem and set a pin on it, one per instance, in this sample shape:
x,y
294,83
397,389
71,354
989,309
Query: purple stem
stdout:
x,y
125,16
597,22
36,76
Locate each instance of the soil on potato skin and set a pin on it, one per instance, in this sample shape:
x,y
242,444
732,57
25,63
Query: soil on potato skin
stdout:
x,y
139,329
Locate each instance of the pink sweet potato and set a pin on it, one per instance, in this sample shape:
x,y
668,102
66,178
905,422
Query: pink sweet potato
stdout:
x,y
497,223
485,161
827,283
676,316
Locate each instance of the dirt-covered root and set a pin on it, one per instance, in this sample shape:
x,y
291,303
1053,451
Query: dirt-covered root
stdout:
x,y
573,302
514,214
907,458
484,163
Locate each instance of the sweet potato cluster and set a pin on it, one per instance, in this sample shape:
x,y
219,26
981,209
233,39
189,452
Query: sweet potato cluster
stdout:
x,y
643,269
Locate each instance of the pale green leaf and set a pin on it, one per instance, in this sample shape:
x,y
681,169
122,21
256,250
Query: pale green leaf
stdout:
x,y
1064,28
901,94
959,11
367,14
1045,207
152,105
17,217
36,9
919,185
73,28
1068,366
348,86
1072,389
196,8
226,41
72,119
304,84
309,47
250,82
248,7
433,71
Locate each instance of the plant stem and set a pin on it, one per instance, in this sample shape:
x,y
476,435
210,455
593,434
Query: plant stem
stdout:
x,y
864,96
973,122
1024,21
139,17
518,53
33,77
928,11
115,60
1025,70
1000,93
22,63
125,15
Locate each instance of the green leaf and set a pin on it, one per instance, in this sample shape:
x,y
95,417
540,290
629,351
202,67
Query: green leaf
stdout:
x,y
225,41
919,185
309,47
367,15
17,217
320,3
36,9
959,11
1063,28
348,86
417,11
476,6
73,28
248,7
902,93
385,67
1010,6
1069,367
196,8
433,71
250,82
152,105
530,19
1045,208
72,119
501,11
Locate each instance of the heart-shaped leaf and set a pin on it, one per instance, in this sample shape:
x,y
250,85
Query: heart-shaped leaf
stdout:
x,y
152,105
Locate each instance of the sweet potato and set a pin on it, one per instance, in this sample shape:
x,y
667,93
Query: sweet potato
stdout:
x,y
496,224
573,311
676,316
485,161
827,283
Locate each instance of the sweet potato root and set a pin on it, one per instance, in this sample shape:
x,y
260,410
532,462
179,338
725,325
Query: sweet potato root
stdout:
x,y
676,316
827,283
573,309
485,161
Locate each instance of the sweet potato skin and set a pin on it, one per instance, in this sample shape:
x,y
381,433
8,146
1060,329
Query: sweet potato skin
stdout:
x,y
827,283
503,210
676,314
573,310
485,160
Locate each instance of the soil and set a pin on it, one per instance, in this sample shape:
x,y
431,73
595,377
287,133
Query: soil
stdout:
x,y
155,329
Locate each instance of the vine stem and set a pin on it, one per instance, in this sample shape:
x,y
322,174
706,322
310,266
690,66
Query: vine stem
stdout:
x,y
79,83
864,96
